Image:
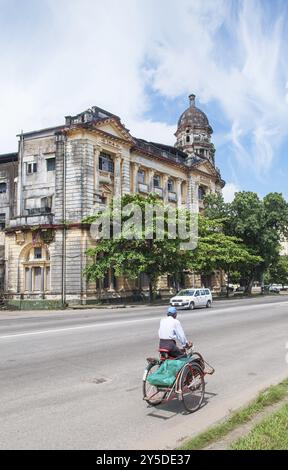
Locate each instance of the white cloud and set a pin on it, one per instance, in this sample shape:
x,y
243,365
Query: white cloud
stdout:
x,y
88,52
236,60
229,191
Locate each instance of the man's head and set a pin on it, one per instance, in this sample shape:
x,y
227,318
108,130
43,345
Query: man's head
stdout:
x,y
172,312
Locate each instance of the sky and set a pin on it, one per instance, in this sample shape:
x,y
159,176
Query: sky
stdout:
x,y
141,59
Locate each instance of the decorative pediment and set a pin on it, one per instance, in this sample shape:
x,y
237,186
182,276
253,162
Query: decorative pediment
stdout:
x,y
115,128
206,167
105,189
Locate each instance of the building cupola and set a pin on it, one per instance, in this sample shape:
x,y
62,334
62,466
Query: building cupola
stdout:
x,y
194,132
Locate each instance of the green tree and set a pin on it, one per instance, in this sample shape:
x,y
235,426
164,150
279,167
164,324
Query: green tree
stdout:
x,y
278,272
133,252
259,223
216,250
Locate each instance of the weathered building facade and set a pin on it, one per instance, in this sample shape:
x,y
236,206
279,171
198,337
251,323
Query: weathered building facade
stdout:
x,y
58,176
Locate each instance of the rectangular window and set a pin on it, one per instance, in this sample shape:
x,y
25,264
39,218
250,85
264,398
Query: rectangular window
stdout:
x,y
47,278
31,168
170,185
2,221
38,253
106,163
37,279
27,279
50,164
141,177
156,181
3,188
46,204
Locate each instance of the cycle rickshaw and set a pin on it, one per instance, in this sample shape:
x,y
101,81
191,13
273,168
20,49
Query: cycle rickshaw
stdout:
x,y
188,384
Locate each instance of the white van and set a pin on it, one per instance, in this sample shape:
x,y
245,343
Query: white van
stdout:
x,y
192,298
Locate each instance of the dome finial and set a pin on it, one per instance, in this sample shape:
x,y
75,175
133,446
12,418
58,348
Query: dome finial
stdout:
x,y
192,100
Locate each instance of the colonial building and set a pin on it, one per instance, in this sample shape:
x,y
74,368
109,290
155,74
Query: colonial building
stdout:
x,y
57,177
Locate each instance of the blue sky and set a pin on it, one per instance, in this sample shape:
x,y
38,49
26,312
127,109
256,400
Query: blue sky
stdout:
x,y
141,60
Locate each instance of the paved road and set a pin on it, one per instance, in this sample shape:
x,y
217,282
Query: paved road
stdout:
x,y
72,380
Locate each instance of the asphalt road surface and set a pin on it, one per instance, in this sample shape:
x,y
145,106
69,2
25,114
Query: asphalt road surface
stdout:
x,y
73,379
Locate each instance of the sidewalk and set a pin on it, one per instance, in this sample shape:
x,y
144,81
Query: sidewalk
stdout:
x,y
114,306
166,301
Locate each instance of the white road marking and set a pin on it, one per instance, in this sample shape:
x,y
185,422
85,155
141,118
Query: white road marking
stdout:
x,y
59,330
125,322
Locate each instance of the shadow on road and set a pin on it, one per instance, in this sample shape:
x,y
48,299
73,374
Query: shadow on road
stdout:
x,y
174,407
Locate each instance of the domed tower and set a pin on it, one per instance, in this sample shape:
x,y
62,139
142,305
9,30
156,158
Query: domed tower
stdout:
x,y
194,133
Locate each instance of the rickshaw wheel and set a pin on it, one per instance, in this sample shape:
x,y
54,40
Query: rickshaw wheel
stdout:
x,y
192,387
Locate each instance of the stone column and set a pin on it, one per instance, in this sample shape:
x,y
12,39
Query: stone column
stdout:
x,y
192,196
117,175
96,168
150,180
195,197
179,192
165,188
190,193
126,176
134,179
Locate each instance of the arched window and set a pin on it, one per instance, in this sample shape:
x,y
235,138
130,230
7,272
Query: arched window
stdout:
x,y
36,267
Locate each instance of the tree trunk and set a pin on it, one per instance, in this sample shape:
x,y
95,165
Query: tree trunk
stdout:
x,y
151,291
250,284
228,282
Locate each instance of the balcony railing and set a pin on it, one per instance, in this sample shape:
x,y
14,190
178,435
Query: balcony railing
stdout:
x,y
105,176
39,210
172,196
143,188
158,191
149,147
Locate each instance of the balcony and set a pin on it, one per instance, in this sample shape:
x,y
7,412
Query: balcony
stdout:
x,y
106,177
172,196
143,188
36,216
47,219
158,191
39,211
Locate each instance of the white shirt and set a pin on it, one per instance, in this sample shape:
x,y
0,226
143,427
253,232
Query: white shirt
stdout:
x,y
170,328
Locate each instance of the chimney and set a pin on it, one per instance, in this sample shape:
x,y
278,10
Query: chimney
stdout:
x,y
192,100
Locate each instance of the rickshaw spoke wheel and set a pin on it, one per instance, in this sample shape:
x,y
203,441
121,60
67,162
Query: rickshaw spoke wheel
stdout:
x,y
192,387
151,393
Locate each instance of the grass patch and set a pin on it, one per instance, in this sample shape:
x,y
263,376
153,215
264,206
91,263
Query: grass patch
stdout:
x,y
268,397
270,434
